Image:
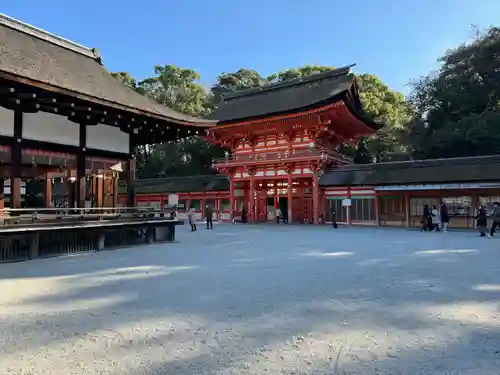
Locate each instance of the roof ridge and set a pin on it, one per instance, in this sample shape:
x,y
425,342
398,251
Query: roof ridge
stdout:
x,y
278,85
26,28
419,163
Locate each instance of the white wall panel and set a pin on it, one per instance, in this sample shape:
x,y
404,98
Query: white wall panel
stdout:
x,y
47,127
108,138
6,122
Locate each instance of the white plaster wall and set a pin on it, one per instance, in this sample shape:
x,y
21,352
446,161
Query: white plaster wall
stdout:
x,y
109,138
48,127
6,122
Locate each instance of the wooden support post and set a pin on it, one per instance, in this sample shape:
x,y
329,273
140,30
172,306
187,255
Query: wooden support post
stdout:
x,y
81,168
348,208
231,197
99,189
131,201
315,198
377,209
16,161
69,188
2,190
290,196
251,200
407,209
115,189
48,191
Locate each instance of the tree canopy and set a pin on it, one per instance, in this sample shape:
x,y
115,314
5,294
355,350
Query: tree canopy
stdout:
x,y
457,107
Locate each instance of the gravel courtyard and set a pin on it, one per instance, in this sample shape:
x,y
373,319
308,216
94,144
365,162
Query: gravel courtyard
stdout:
x,y
260,299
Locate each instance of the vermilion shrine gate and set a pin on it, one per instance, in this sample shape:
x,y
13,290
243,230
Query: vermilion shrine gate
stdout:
x,y
282,136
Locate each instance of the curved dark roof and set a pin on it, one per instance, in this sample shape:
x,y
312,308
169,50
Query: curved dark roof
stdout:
x,y
468,169
30,53
186,184
291,96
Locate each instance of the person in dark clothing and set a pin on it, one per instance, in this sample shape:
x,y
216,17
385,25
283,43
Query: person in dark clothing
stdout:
x,y
209,212
481,220
445,217
496,218
426,219
243,215
334,220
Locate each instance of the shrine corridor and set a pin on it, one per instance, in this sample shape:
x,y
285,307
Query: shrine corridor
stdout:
x,y
260,299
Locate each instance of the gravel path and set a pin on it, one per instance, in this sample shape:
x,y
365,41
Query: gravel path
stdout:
x,y
260,299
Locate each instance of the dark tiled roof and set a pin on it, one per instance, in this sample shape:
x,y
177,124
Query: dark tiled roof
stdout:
x,y
298,94
28,52
470,169
180,184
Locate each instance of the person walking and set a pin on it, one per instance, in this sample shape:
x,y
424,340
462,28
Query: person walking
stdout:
x,y
481,221
496,219
445,217
436,218
426,219
209,212
334,220
191,220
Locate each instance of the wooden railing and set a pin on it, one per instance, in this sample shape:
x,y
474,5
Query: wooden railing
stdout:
x,y
26,216
283,156
32,233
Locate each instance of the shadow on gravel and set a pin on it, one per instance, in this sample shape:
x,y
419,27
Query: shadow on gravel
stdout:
x,y
291,300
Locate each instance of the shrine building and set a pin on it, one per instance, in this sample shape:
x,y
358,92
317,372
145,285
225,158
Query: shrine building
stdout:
x,y
66,122
281,137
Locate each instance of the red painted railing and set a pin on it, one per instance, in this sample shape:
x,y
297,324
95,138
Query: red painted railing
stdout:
x,y
274,156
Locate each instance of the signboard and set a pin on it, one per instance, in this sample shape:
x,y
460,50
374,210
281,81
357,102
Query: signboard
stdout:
x,y
346,202
173,199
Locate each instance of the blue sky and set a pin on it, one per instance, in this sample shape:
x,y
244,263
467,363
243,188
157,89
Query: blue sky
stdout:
x,y
397,40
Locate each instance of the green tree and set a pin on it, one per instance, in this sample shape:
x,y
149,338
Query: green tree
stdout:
x,y
304,71
239,80
125,79
458,107
389,108
176,88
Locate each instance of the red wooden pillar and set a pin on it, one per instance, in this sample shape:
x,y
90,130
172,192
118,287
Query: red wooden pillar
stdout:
x,y
315,198
251,199
407,209
231,197
48,191
348,208
290,196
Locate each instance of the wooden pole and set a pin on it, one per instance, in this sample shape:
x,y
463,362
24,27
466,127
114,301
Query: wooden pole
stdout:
x,y
315,198
130,176
99,189
290,196
251,199
16,161
231,197
48,191
407,209
81,167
